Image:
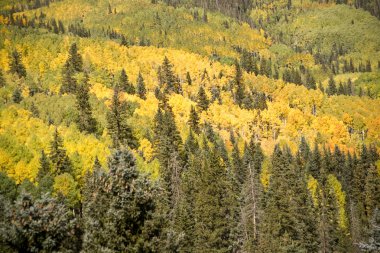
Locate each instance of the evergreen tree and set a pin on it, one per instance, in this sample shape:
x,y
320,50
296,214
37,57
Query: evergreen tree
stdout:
x,y
331,89
44,177
141,91
310,81
288,225
315,162
239,85
118,128
202,100
124,83
214,205
15,64
188,78
16,96
251,196
236,162
34,110
194,120
85,120
58,157
73,65
75,59
42,225
116,219
2,79
167,76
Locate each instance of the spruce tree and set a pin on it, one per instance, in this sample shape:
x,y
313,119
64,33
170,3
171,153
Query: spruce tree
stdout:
x,y
331,89
75,59
215,205
239,85
251,197
15,64
2,79
124,83
288,225
141,91
49,227
85,120
73,65
17,96
194,120
167,76
118,128
118,215
44,177
188,78
58,157
202,100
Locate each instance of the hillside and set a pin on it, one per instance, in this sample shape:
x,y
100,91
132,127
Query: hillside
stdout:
x,y
189,126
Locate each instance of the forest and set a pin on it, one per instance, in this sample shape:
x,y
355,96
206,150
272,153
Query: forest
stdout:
x,y
234,126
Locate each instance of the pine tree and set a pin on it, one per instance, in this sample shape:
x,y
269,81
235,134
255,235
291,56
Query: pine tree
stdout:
x,y
239,85
69,83
118,128
167,76
236,162
167,140
44,168
85,120
73,65
17,96
188,78
310,81
194,120
58,157
15,64
372,191
141,91
2,79
315,162
124,83
34,110
116,219
202,100
215,205
49,227
331,89
288,225
75,59
44,177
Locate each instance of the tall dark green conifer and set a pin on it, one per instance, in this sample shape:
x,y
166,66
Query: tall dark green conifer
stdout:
x,y
2,79
15,64
119,209
141,90
239,85
118,128
85,120
194,120
331,89
202,100
58,157
124,83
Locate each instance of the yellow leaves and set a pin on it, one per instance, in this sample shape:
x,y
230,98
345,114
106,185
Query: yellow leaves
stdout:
x,y
34,135
265,174
66,185
146,149
306,59
313,186
340,197
4,60
181,109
